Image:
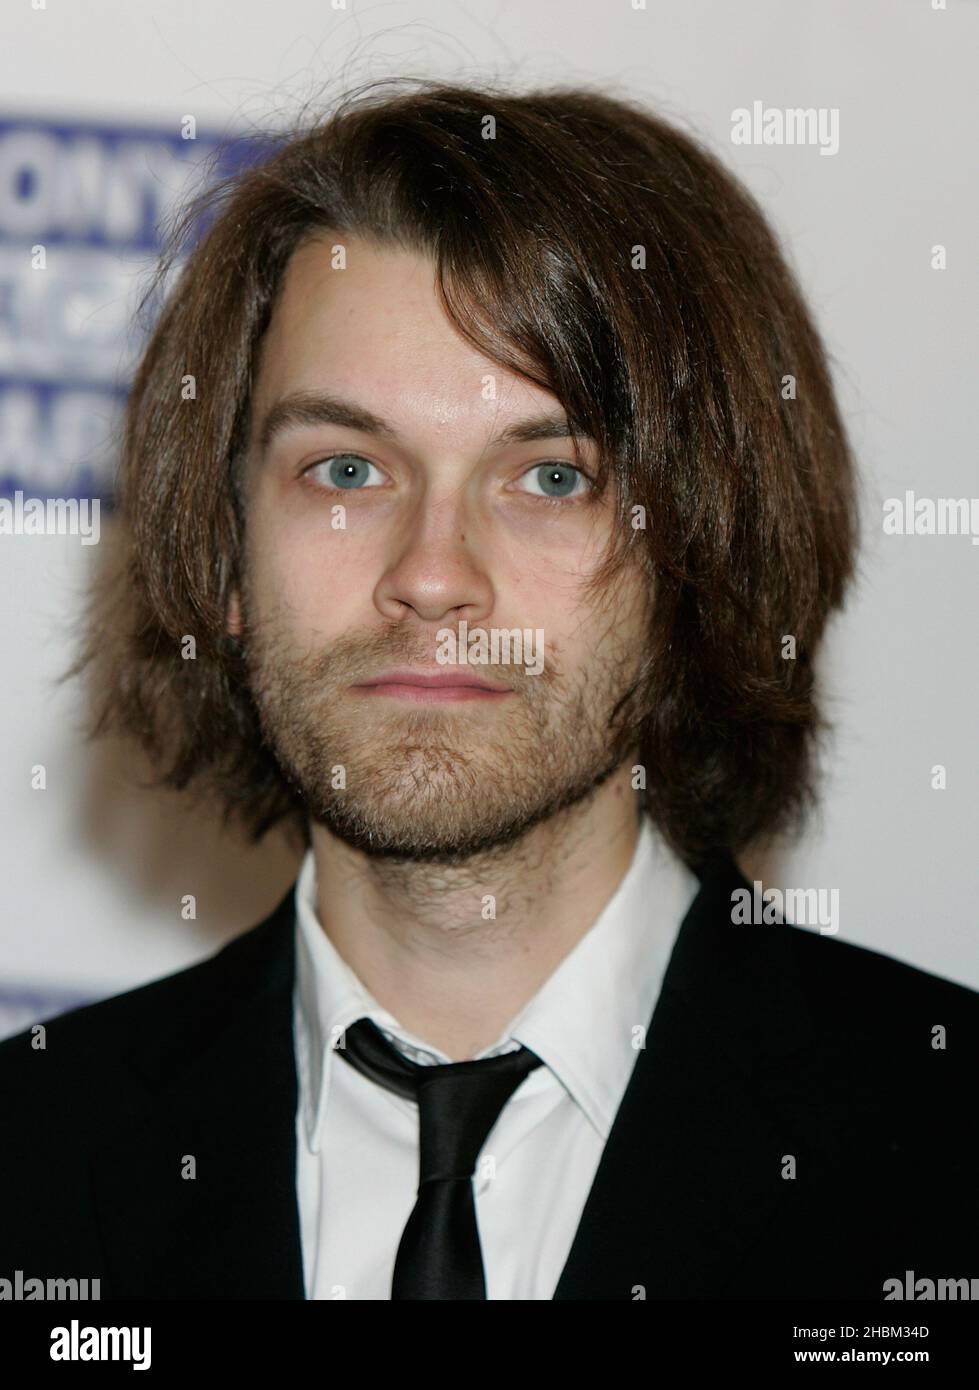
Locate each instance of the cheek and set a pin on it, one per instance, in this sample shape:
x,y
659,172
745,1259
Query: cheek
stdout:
x,y
543,596
546,575
548,569
318,578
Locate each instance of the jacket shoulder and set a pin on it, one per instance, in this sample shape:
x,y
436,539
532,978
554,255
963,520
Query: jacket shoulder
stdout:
x,y
85,1045
850,972
889,1035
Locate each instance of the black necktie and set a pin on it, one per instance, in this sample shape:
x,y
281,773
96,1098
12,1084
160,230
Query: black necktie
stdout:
x,y
458,1104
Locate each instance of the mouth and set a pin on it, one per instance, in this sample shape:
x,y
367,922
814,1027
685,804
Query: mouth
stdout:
x,y
431,687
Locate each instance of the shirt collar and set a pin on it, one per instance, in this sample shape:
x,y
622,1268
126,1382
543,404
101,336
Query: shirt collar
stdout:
x,y
586,1022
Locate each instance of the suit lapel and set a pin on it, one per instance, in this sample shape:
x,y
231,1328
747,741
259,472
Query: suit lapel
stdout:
x,y
691,1170
687,1180
216,1085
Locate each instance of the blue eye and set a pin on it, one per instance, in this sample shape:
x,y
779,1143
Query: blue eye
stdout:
x,y
554,482
345,471
558,481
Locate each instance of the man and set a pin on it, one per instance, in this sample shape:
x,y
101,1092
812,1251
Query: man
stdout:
x,y
465,452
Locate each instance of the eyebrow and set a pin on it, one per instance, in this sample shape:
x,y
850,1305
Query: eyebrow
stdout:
x,y
307,408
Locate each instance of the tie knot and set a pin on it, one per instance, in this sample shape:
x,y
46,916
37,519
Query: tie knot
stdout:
x,y
458,1102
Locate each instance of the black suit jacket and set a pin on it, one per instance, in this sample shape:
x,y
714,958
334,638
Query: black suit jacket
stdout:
x,y
769,1046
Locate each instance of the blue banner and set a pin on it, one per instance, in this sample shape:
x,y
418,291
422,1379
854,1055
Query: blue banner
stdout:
x,y
84,208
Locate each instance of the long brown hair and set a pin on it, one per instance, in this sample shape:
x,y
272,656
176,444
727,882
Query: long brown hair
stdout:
x,y
594,248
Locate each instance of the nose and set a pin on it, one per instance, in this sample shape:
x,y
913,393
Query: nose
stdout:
x,y
436,566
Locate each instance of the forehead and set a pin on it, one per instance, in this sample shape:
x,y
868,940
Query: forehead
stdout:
x,y
375,331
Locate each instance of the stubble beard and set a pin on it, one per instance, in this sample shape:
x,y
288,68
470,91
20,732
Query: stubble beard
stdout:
x,y
437,783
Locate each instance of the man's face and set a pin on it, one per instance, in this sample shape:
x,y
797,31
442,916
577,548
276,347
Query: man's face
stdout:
x,y
364,546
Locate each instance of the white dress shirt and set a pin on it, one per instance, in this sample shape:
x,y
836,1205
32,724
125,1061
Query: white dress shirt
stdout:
x,y
357,1142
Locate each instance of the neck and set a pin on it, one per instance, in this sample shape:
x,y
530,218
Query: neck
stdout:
x,y
455,952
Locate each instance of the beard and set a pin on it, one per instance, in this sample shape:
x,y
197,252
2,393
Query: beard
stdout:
x,y
445,782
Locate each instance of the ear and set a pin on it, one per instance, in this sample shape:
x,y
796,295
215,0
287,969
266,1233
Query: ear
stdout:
x,y
232,622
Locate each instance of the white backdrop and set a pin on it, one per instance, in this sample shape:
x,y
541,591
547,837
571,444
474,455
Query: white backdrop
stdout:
x,y
95,868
